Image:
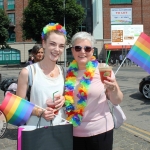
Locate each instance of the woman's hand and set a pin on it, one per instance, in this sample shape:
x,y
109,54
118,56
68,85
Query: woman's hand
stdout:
x,y
110,84
59,101
113,91
48,114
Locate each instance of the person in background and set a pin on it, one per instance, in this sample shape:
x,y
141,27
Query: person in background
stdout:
x,y
37,52
30,60
121,59
48,77
86,97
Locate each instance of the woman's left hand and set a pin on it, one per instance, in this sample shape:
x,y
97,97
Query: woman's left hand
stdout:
x,y
59,101
113,91
110,84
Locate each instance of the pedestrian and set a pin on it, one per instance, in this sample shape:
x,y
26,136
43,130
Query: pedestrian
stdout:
x,y
86,97
120,59
37,52
48,77
30,60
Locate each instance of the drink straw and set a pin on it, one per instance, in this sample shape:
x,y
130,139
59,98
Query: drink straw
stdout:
x,y
53,95
108,58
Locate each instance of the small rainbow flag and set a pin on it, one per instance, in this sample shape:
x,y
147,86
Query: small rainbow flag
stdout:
x,y
140,52
16,109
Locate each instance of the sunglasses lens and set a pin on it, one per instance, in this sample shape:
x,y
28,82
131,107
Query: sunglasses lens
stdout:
x,y
88,48
77,48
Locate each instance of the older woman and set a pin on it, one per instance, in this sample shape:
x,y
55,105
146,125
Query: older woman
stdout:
x,y
86,97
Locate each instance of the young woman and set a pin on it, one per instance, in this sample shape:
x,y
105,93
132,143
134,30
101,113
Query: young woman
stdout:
x,y
48,77
86,97
37,52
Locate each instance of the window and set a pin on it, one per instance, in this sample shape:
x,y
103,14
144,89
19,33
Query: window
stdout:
x,y
120,1
11,4
87,24
12,37
12,18
1,4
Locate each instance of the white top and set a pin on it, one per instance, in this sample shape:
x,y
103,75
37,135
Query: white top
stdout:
x,y
43,88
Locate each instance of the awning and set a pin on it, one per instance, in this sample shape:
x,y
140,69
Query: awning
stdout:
x,y
116,47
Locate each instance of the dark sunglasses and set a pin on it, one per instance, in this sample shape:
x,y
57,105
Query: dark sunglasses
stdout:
x,y
86,48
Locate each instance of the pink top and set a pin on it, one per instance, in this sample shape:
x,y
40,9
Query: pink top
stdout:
x,y
97,118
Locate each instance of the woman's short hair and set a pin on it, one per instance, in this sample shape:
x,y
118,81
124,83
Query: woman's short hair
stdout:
x,y
83,36
36,48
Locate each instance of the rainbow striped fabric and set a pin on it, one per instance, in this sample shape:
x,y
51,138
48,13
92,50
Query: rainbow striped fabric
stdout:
x,y
16,109
140,52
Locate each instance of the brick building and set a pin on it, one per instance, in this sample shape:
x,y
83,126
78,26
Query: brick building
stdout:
x,y
14,10
97,22
140,16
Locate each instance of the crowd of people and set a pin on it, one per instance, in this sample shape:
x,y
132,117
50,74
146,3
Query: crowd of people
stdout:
x,y
86,107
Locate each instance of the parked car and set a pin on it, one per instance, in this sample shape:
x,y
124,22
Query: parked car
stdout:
x,y
144,87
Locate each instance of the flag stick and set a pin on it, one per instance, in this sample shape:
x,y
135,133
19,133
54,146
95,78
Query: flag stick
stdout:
x,y
54,114
120,66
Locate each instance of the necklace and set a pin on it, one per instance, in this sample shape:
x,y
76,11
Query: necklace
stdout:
x,y
51,74
75,115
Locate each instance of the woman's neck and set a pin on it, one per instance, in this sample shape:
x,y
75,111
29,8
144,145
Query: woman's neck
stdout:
x,y
82,67
47,65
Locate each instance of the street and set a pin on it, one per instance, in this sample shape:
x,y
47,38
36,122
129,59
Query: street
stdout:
x,y
133,135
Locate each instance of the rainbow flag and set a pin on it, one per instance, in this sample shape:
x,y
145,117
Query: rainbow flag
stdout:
x,y
140,52
16,109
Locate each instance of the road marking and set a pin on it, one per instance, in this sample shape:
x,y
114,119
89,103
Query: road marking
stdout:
x,y
136,128
136,131
137,134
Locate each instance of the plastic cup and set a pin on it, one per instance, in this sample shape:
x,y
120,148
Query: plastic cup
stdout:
x,y
51,104
105,71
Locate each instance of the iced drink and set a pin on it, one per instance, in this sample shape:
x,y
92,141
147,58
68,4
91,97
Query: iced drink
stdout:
x,y
51,104
105,71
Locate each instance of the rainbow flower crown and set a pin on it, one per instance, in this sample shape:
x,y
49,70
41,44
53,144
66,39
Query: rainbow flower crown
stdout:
x,y
52,27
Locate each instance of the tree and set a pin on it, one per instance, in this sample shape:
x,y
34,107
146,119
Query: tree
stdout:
x,y
4,26
38,13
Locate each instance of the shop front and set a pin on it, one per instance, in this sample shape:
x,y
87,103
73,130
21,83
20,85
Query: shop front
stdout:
x,y
116,51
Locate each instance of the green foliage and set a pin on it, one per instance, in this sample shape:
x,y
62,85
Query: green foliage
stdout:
x,y
4,26
39,13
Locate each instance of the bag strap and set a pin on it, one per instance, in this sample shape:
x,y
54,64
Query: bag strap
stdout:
x,y
63,73
31,74
111,106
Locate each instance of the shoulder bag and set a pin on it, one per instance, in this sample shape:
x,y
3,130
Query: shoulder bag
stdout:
x,y
117,114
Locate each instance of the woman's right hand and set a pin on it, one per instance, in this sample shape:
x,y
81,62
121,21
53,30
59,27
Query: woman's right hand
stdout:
x,y
48,114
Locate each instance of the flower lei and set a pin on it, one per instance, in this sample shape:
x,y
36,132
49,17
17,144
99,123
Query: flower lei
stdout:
x,y
51,27
75,115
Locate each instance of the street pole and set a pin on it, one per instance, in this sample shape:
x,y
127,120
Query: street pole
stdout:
x,y
65,47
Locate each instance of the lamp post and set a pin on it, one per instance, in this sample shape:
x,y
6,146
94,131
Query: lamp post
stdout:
x,y
64,13
65,48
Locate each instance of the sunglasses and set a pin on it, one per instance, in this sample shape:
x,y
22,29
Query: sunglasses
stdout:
x,y
86,48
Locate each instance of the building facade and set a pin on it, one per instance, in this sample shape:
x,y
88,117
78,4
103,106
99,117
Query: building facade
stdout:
x,y
136,10
14,10
98,22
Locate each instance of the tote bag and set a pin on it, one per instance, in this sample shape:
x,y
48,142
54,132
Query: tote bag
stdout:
x,y
58,137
